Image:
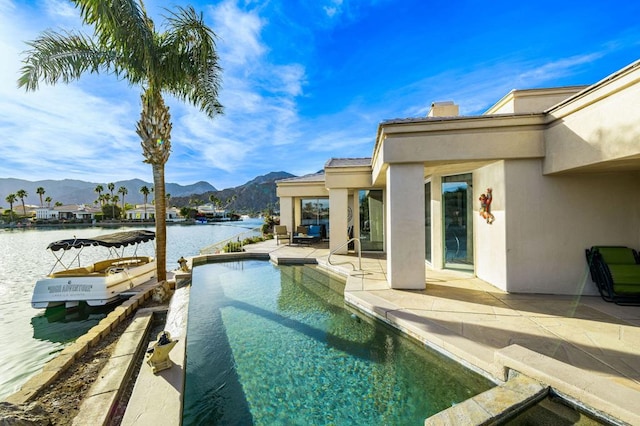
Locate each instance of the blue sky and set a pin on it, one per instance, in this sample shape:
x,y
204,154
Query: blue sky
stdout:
x,y
303,81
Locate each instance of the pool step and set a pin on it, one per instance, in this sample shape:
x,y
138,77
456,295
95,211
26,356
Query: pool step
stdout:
x,y
493,406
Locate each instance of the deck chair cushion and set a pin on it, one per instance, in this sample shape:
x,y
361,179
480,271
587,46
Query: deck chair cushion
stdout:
x,y
626,278
617,255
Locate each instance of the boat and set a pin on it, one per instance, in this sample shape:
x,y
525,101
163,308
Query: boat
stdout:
x,y
98,283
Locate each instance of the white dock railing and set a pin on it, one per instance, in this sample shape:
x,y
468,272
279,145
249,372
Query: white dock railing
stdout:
x,y
217,247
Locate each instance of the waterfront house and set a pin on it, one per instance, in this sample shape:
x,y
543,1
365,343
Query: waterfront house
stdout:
x,y
142,212
513,196
148,212
79,212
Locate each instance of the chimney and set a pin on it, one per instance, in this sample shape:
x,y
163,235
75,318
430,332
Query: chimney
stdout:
x,y
443,109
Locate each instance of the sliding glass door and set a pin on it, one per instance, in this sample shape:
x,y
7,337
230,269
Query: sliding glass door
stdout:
x,y
457,193
371,220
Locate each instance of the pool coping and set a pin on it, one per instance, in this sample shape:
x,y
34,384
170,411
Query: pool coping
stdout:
x,y
156,398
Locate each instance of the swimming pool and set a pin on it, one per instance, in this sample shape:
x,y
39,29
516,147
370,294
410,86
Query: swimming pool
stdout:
x,y
273,344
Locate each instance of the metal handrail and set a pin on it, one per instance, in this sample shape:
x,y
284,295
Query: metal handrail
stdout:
x,y
357,240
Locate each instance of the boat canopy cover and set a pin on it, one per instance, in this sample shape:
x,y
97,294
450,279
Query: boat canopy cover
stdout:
x,y
118,239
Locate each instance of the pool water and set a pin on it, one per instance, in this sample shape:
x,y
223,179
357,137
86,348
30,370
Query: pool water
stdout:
x,y
273,344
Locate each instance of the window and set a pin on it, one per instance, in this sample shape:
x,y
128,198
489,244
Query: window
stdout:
x,y
315,211
371,220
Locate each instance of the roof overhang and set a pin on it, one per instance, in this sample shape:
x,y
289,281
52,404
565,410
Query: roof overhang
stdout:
x,y
348,176
457,141
302,187
598,129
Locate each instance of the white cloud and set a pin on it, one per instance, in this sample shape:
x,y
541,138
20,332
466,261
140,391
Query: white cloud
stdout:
x,y
61,8
556,69
259,97
477,89
334,8
239,33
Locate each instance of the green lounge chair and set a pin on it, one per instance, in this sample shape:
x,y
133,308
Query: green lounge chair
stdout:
x,y
616,272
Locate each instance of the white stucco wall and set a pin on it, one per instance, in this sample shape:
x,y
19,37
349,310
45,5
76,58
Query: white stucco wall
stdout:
x,y
405,226
286,213
550,221
338,205
490,239
437,243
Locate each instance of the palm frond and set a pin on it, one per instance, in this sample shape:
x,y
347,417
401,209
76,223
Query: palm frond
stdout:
x,y
191,62
123,26
62,57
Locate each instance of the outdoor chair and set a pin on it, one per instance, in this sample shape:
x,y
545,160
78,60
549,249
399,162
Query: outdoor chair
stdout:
x,y
302,236
317,231
616,272
280,233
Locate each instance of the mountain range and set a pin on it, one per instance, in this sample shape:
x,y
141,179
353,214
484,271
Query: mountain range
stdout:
x,y
254,195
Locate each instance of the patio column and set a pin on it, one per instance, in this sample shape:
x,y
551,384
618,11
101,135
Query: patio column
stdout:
x,y
405,226
338,221
286,213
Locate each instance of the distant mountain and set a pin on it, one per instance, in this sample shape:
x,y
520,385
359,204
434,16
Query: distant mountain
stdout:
x,y
69,191
253,196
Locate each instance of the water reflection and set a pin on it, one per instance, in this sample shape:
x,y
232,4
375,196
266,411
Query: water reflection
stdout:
x,y
60,325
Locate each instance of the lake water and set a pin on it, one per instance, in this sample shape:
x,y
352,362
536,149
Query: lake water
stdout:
x,y
29,338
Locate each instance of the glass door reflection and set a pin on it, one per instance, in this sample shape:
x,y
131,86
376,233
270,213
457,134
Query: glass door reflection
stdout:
x,y
458,224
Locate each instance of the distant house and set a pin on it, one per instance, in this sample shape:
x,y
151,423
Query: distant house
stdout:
x,y
74,212
142,212
210,212
46,213
148,212
173,215
513,196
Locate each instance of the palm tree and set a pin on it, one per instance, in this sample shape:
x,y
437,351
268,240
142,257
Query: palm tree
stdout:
x,y
182,61
114,202
11,198
123,191
98,190
145,193
40,191
106,198
48,201
111,186
229,201
21,193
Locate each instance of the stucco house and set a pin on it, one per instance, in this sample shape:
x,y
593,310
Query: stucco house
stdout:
x,y
67,212
148,212
561,167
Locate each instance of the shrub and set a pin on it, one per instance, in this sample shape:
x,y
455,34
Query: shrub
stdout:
x,y
233,247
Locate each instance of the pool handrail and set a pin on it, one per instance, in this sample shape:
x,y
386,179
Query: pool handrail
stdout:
x,y
356,240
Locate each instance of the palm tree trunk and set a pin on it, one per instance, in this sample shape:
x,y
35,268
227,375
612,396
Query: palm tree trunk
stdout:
x,y
161,222
154,128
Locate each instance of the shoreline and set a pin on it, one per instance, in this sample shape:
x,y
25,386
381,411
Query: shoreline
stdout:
x,y
108,224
